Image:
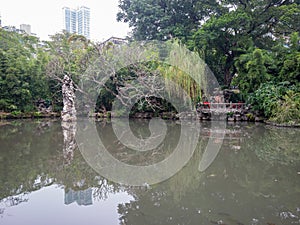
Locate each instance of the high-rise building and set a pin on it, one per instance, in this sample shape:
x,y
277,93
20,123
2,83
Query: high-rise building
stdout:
x,y
77,20
70,18
26,28
83,21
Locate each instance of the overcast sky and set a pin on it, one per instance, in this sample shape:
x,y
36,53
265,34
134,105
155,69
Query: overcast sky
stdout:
x,y
45,17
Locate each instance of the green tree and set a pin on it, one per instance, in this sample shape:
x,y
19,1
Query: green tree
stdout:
x,y
252,70
219,30
69,55
246,24
290,70
22,77
164,19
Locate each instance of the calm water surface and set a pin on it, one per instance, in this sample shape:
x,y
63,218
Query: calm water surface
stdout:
x,y
255,179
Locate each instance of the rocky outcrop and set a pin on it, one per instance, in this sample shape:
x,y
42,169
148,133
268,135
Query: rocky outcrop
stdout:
x,y
69,112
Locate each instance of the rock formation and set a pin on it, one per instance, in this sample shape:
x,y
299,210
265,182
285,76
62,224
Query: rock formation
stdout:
x,y
69,112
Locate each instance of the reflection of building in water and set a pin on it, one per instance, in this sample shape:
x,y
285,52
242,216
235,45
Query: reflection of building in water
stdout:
x,y
81,197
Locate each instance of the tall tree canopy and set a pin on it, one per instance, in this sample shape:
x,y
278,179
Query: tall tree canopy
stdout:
x,y
164,19
219,30
69,55
22,64
247,24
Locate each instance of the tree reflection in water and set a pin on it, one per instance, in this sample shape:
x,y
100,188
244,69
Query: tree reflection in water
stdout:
x,y
37,154
253,180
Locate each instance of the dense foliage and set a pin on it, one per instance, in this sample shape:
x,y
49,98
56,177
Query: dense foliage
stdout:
x,y
32,70
279,102
254,45
245,43
220,30
22,72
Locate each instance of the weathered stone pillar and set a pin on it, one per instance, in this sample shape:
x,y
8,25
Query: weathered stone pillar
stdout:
x,y
69,112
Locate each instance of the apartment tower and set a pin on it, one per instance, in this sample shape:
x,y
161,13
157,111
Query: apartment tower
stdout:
x,y
77,20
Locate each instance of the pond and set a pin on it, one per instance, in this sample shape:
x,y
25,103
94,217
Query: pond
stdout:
x,y
253,179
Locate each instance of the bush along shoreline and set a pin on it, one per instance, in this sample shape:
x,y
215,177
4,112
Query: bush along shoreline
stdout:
x,y
246,115
28,115
279,103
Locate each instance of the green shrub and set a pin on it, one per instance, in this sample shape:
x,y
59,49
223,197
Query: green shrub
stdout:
x,y
37,114
288,109
278,102
6,106
16,113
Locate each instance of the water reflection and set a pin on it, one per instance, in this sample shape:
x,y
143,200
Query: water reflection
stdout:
x,y
80,197
69,132
254,179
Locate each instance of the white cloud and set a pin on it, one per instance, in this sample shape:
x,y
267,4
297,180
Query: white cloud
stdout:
x,y
45,17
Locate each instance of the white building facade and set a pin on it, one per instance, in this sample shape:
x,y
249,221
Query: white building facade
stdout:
x,y
26,28
77,20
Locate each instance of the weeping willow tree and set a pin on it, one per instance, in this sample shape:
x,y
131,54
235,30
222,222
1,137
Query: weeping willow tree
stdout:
x,y
155,66
187,71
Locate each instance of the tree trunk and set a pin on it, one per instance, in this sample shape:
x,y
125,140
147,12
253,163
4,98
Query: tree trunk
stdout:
x,y
230,70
